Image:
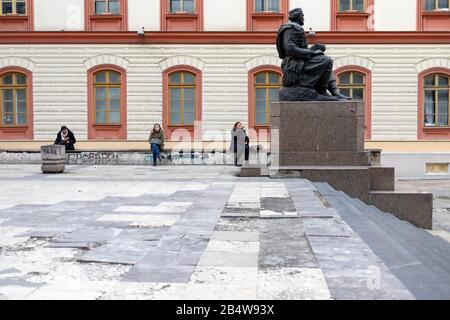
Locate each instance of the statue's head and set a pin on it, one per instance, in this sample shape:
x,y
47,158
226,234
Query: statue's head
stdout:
x,y
296,15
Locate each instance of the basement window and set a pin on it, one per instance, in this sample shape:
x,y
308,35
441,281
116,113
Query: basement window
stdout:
x,y
437,168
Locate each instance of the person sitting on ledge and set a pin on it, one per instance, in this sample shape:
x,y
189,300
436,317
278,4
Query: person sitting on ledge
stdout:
x,y
156,141
66,138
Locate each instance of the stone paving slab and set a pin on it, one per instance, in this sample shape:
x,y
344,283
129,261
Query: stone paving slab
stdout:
x,y
162,258
327,227
92,234
235,236
168,274
233,246
292,284
119,252
228,259
164,207
71,245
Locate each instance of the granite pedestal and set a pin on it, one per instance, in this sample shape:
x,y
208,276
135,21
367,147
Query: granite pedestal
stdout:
x,y
324,142
318,134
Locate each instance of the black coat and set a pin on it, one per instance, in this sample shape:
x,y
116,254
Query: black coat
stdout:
x,y
69,143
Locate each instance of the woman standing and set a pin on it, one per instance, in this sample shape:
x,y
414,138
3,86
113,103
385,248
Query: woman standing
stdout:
x,y
239,144
66,138
156,141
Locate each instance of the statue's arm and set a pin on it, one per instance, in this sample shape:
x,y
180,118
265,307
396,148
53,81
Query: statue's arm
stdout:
x,y
291,49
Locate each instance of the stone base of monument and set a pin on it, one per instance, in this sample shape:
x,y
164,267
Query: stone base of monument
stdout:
x,y
53,159
324,142
254,170
320,158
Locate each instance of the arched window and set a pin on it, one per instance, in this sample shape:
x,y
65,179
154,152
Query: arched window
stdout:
x,y
107,102
13,96
107,90
16,103
182,98
356,82
266,87
436,100
352,84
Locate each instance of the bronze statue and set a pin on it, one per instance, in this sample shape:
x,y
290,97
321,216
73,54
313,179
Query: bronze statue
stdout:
x,y
307,72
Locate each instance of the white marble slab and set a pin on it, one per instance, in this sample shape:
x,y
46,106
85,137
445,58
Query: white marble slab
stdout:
x,y
233,246
119,217
164,207
292,284
156,221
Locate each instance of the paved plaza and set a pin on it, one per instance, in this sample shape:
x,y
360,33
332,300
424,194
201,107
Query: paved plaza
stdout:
x,y
189,232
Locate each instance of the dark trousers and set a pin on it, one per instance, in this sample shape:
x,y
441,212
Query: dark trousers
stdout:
x,y
69,146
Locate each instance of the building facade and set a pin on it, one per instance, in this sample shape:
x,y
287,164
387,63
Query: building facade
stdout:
x,y
110,69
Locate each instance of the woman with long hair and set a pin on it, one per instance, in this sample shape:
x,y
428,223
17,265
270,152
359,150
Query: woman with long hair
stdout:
x,y
239,144
156,141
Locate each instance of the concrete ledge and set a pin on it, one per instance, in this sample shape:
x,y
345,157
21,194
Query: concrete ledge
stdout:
x,y
416,208
138,157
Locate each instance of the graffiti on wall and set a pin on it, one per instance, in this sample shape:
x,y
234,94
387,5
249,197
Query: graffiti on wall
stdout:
x,y
93,158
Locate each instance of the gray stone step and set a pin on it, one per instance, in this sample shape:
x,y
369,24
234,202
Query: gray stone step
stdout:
x,y
438,245
405,250
433,244
325,189
416,276
414,239
372,233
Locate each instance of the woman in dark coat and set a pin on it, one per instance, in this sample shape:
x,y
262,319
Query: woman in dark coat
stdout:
x,y
66,138
239,144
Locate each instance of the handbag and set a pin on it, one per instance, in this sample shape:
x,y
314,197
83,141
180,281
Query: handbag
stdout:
x,y
155,141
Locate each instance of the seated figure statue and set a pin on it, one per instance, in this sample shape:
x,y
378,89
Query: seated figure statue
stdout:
x,y
307,73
